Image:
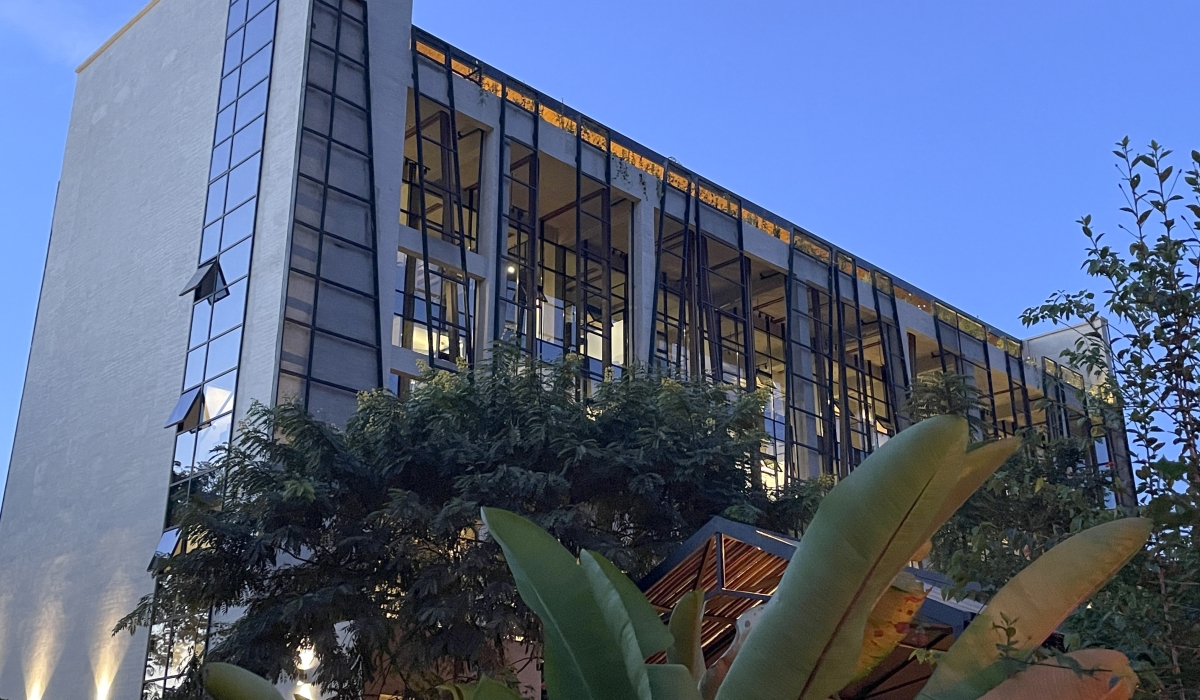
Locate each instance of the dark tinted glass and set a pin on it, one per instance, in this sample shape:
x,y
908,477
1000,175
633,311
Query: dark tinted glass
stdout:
x,y
346,313
350,126
347,265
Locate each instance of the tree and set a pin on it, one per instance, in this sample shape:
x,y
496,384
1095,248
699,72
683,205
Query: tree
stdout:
x,y
365,543
1143,352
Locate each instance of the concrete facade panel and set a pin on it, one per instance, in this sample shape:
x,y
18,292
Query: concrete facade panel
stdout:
x,y
91,460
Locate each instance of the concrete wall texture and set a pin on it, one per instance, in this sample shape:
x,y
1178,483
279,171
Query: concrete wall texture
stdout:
x,y
91,460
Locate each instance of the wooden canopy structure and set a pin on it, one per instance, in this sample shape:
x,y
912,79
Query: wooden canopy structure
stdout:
x,y
739,566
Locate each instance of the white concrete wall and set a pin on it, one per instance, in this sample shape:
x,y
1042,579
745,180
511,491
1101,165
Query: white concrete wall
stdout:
x,y
91,461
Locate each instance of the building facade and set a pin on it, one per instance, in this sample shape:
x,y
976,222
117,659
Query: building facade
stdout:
x,y
342,197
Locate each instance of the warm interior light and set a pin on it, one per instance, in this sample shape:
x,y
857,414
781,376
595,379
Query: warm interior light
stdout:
x,y
308,659
512,269
305,691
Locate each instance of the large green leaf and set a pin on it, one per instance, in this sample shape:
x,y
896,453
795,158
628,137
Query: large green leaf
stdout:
x,y
808,642
620,626
485,689
583,659
687,619
652,634
672,682
978,466
229,682
1034,603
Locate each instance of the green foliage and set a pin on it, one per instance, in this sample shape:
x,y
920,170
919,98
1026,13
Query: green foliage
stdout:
x,y
945,394
1144,321
485,689
807,641
365,543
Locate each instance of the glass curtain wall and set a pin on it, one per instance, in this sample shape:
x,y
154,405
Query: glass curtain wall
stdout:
x,y
565,238
203,416
702,322
440,195
331,329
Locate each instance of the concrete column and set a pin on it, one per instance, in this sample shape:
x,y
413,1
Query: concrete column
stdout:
x,y
644,266
489,248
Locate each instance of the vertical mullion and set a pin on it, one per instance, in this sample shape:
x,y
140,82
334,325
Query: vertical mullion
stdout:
x,y
424,208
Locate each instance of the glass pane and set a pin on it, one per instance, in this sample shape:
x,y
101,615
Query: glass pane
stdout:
x,y
313,150
320,68
352,83
237,16
194,373
229,89
348,218
304,249
235,263
352,43
251,105
210,242
230,309
248,141
201,313
256,68
344,363
324,25
239,224
218,395
346,313
308,201
350,126
301,290
225,123
185,450
260,30
216,200
233,51
316,111
347,265
243,182
331,405
294,353
349,171
220,159
223,353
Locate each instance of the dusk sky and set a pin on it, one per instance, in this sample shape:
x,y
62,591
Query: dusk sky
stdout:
x,y
953,144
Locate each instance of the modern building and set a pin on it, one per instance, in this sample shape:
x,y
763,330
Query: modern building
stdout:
x,y
265,200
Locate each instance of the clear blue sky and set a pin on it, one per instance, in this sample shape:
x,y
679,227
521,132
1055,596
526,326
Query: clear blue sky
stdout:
x,y
954,143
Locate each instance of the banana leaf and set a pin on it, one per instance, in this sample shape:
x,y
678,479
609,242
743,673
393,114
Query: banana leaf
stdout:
x,y
672,682
616,618
1034,603
652,635
808,642
229,682
888,623
1101,674
687,619
584,661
